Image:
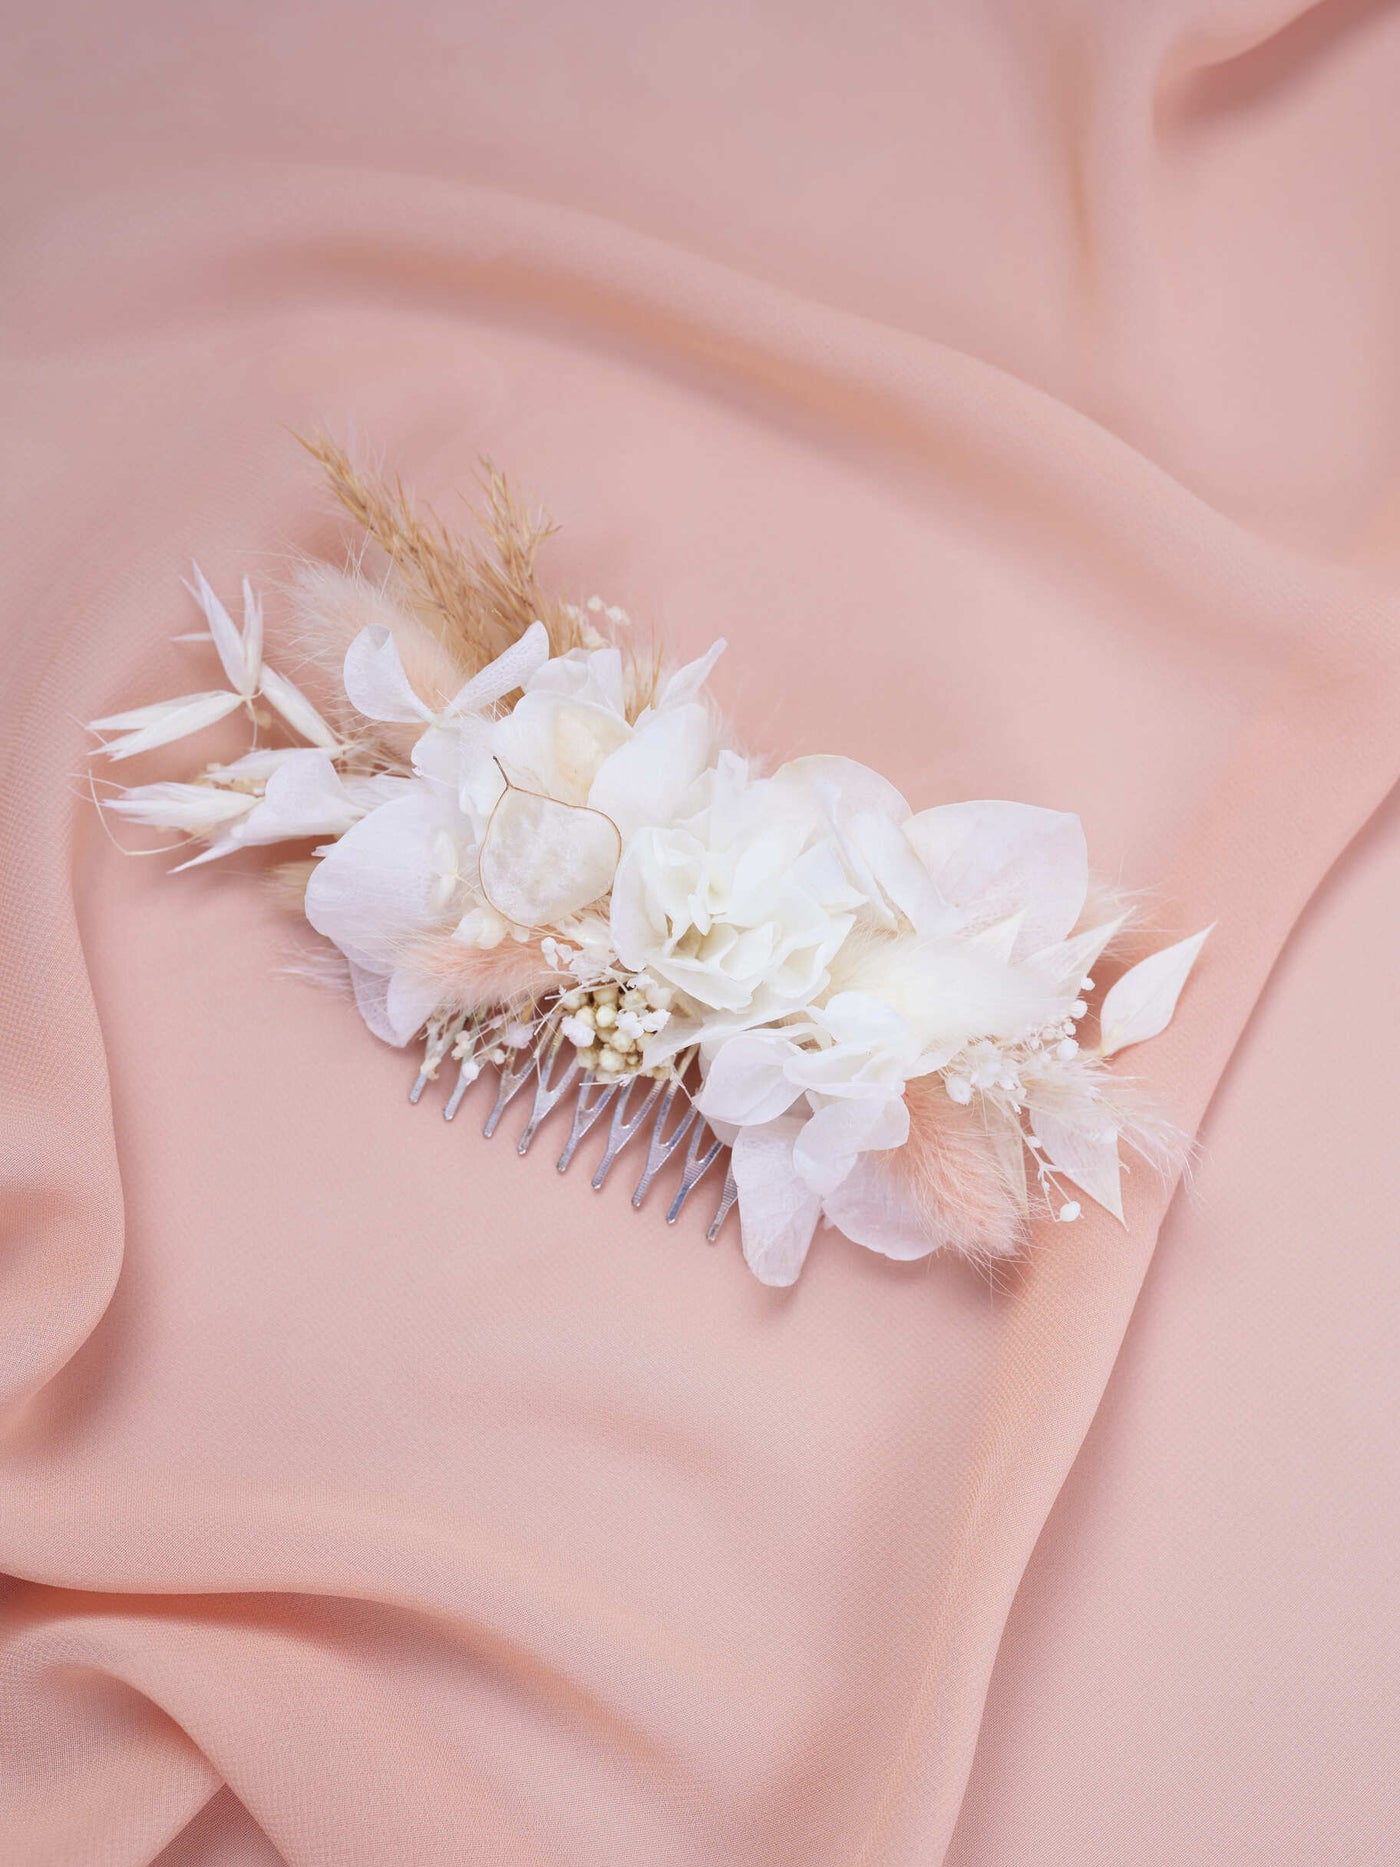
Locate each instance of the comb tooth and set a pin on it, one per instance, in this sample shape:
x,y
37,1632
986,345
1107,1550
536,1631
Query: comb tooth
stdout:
x,y
586,1114
438,1042
466,1076
659,1147
548,1093
512,1081
726,1204
697,1165
622,1130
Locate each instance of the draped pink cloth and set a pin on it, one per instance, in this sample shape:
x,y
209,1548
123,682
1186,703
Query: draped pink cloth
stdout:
x,y
1015,383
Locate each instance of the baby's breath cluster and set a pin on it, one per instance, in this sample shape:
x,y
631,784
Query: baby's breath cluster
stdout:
x,y
608,1023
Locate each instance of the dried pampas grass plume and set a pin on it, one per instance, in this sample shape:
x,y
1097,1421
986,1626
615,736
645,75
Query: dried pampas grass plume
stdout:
x,y
330,608
476,602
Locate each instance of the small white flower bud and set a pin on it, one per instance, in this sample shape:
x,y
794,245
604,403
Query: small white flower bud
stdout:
x,y
959,1088
1070,1210
1066,1049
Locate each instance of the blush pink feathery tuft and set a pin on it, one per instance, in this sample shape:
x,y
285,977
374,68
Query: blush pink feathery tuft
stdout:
x,y
956,1172
474,978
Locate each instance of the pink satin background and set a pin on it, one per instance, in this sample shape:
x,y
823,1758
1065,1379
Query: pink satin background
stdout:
x,y
1016,387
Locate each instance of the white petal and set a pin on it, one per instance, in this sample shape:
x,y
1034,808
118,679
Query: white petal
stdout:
x,y
884,866
777,1212
685,684
296,709
304,797
992,859
844,786
375,682
1067,962
1141,1003
508,671
869,1207
542,861
1086,1154
227,640
826,1149
393,1006
647,778
165,722
746,1080
408,1004
377,886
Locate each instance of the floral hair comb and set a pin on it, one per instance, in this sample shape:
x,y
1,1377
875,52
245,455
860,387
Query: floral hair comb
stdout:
x,y
538,852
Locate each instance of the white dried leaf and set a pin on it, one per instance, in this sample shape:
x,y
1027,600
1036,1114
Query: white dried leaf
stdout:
x,y
1141,1003
1086,1154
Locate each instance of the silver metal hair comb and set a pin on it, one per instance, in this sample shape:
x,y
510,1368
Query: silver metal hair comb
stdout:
x,y
660,1107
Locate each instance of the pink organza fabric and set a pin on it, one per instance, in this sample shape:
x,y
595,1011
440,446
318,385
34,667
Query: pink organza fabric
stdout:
x,y
1016,386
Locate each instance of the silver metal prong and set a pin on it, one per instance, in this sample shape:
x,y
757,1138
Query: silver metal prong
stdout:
x,y
550,1089
466,1076
622,1130
419,1085
660,1148
586,1113
726,1205
511,1082
697,1165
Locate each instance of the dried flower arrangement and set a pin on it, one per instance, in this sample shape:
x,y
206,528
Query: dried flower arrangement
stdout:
x,y
538,849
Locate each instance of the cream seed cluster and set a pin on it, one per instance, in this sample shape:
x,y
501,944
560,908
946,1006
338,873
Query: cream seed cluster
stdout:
x,y
608,1025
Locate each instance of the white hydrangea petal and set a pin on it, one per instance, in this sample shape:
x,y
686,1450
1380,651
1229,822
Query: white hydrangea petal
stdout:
x,y
371,991
591,676
778,1212
869,1208
375,681
1141,1003
844,786
746,1080
511,669
304,797
378,884
684,686
408,1004
145,728
646,780
992,859
1085,1151
826,1149
542,861
296,709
